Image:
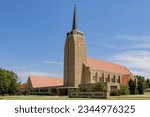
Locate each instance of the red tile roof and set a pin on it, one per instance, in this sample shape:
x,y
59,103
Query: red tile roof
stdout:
x,y
44,81
107,66
110,67
125,79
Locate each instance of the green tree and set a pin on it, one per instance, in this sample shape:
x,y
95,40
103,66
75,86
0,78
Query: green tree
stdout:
x,y
132,86
144,82
148,83
8,82
140,87
124,90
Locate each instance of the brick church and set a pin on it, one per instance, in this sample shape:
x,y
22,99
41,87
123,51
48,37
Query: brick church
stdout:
x,y
80,70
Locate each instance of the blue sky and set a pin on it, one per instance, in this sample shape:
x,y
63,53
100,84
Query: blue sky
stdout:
x,y
33,32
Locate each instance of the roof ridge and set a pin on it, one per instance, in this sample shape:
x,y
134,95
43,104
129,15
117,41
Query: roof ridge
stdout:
x,y
43,76
106,61
106,66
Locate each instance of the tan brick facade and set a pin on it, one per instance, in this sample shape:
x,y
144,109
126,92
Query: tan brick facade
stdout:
x,y
75,56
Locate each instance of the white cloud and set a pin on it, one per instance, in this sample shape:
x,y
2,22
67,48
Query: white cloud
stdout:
x,y
23,76
132,47
137,42
52,62
137,61
139,46
24,71
133,38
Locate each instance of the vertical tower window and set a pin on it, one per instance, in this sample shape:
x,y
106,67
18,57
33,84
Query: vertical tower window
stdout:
x,y
119,79
108,77
103,77
113,79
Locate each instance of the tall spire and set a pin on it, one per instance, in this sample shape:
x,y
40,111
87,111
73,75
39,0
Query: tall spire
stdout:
x,y
74,25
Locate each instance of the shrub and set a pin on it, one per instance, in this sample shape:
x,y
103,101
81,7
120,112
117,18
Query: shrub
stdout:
x,y
124,90
26,92
114,93
39,93
81,90
100,86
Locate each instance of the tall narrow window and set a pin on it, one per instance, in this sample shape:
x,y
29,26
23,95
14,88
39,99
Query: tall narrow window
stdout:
x,y
113,79
108,77
103,77
100,79
96,77
118,79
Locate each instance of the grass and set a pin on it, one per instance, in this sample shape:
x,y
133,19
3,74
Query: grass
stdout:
x,y
42,98
130,97
146,96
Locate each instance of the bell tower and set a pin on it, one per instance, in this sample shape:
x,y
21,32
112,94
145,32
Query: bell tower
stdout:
x,y
74,55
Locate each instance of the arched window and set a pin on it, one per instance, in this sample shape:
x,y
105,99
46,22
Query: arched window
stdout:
x,y
108,78
96,77
113,79
119,79
103,77
100,79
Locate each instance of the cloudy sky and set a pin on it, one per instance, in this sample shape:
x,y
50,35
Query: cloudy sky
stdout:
x,y
33,32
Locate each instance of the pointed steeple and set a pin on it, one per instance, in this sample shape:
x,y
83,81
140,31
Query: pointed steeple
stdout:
x,y
74,25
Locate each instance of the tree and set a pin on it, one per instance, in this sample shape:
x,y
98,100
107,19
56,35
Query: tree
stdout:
x,y
132,86
148,83
100,86
145,83
8,82
140,87
124,90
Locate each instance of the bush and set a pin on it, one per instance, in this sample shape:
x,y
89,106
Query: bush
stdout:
x,y
124,90
114,93
100,86
39,93
81,90
26,92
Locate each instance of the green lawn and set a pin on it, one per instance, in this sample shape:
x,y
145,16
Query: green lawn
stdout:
x,y
42,98
146,96
130,97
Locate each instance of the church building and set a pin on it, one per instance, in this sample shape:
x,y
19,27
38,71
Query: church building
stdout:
x,y
85,72
80,70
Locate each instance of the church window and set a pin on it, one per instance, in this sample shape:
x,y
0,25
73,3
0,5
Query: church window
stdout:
x,y
46,90
118,79
108,77
96,77
36,90
53,90
113,87
41,90
100,79
103,77
113,79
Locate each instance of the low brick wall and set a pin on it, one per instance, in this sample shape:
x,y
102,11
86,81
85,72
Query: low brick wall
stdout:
x,y
88,95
